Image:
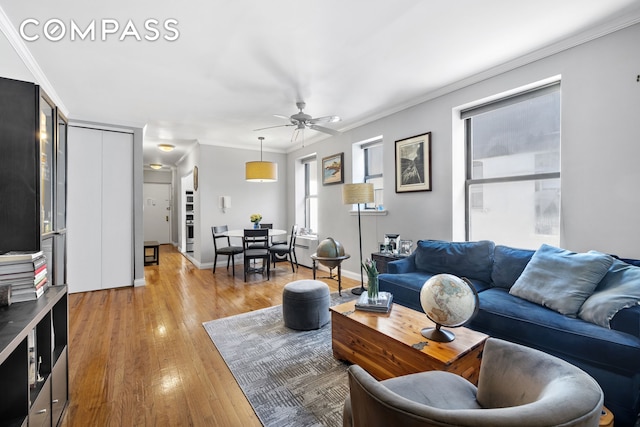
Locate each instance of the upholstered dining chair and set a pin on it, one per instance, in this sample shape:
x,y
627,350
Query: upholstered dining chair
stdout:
x,y
256,246
286,252
229,251
518,386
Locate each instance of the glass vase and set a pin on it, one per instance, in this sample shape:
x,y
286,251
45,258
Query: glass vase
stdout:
x,y
372,288
256,225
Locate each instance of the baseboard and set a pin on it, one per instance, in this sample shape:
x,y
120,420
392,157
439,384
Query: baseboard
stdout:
x,y
139,282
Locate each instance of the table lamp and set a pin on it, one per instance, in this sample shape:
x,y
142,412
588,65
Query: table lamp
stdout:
x,y
356,194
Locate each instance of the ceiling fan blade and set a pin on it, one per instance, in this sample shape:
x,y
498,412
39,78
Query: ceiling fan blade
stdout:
x,y
271,127
281,116
325,119
324,129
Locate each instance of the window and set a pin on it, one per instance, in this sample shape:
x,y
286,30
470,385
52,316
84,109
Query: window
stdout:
x,y
310,193
373,171
513,169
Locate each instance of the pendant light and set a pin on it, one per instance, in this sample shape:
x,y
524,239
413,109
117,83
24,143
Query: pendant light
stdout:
x,y
261,171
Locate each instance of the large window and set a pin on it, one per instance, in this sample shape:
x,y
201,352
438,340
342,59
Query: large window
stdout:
x,y
373,171
513,169
310,193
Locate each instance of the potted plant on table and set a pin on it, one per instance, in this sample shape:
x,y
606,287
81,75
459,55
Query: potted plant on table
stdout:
x,y
372,279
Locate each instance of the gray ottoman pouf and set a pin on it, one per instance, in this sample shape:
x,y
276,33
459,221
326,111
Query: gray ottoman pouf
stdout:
x,y
305,304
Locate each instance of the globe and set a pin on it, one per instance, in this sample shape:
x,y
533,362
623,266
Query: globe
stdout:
x,y
448,301
330,248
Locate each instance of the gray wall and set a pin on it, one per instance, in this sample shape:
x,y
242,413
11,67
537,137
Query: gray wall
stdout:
x,y
600,152
221,173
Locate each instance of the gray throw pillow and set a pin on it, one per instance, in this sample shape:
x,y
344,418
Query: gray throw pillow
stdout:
x,y
560,279
620,288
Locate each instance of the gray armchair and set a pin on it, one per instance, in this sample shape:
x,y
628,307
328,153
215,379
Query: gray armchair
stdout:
x,y
518,386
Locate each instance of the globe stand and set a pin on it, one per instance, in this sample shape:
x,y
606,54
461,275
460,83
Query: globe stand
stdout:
x,y
437,334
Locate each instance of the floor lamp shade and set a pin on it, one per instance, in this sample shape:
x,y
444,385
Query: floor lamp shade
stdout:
x,y
261,171
357,193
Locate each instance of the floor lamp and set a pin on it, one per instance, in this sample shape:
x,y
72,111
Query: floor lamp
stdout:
x,y
356,194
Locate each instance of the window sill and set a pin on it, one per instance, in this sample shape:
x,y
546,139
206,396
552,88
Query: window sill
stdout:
x,y
369,212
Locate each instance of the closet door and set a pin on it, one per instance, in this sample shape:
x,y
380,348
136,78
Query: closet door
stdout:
x,y
117,209
84,210
100,209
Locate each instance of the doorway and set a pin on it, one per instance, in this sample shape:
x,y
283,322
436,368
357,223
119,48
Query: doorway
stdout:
x,y
157,212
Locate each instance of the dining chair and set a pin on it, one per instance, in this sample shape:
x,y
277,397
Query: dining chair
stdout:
x,y
229,251
284,251
260,245
256,246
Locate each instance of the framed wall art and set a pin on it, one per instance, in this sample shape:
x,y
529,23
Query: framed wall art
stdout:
x,y
332,169
413,163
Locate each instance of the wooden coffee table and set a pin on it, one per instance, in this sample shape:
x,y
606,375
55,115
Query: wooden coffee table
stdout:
x,y
390,344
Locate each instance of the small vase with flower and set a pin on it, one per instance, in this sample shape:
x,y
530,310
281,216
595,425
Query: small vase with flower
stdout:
x,y
255,219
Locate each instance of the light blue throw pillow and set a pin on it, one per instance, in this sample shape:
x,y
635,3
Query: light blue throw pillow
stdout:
x,y
620,288
560,279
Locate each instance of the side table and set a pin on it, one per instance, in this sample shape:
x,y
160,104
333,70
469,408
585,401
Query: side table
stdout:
x,y
382,259
154,247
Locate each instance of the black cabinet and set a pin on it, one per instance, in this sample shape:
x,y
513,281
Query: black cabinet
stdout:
x,y
33,334
19,166
383,259
33,360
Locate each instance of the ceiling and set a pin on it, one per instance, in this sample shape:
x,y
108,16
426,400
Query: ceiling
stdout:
x,y
235,64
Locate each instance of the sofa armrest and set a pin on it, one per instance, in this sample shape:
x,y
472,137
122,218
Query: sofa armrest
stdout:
x,y
406,265
627,320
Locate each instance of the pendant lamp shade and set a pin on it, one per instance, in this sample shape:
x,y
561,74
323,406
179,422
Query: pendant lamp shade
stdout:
x,y
261,171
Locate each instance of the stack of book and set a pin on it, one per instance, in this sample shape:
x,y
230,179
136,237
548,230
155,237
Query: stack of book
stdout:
x,y
382,304
25,273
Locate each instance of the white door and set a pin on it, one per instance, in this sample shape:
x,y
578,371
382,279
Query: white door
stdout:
x,y
84,210
157,212
99,209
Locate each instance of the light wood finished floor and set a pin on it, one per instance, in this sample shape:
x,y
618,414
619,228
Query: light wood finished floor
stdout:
x,y
140,356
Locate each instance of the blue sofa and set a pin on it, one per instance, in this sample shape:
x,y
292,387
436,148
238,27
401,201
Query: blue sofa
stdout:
x,y
518,303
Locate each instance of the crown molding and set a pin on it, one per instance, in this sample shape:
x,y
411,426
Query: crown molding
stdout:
x,y
578,39
29,61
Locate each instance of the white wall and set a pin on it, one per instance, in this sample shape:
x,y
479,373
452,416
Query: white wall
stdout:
x,y
600,152
221,173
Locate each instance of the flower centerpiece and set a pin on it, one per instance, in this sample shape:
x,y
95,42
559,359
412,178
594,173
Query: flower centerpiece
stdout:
x,y
255,219
372,278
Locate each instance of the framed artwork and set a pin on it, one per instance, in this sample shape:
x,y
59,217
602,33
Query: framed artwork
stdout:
x,y
413,163
332,169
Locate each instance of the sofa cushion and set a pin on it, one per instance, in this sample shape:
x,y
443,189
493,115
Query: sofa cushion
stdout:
x,y
560,279
508,265
473,260
619,288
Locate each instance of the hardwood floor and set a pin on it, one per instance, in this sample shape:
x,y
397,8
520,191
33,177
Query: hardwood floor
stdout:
x,y
140,356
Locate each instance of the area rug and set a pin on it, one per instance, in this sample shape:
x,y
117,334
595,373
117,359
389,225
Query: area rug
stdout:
x,y
290,377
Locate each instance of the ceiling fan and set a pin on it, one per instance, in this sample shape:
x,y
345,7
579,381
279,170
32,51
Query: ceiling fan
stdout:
x,y
301,120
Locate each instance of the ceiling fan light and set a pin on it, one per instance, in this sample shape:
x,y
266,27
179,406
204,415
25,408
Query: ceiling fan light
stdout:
x,y
166,147
155,166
